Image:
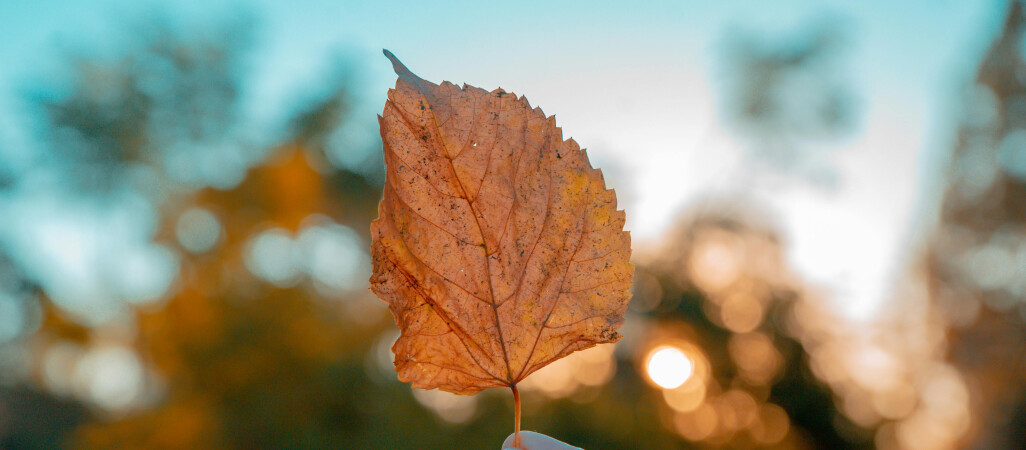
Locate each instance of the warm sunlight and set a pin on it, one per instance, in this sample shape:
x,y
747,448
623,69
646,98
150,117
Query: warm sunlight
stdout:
x,y
717,225
669,367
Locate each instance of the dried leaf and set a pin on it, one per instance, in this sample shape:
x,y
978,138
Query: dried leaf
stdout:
x,y
497,246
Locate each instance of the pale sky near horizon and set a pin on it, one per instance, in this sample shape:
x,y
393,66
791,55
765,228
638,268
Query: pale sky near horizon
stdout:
x,y
635,83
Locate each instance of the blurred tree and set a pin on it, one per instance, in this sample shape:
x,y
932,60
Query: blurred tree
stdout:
x,y
721,280
787,96
269,339
170,106
977,258
258,345
263,343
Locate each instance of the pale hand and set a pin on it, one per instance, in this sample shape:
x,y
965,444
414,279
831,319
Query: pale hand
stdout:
x,y
530,440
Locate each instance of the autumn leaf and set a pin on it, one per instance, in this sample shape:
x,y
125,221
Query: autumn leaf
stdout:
x,y
497,246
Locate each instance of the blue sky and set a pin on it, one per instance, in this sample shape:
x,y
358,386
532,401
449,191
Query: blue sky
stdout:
x,y
636,83
620,75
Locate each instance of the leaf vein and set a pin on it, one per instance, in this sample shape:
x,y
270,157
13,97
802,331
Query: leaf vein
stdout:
x,y
595,286
461,334
491,290
555,303
424,218
406,122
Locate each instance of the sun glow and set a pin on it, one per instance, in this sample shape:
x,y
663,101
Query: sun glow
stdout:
x,y
668,367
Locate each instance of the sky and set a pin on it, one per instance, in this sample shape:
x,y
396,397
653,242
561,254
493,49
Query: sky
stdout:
x,y
638,84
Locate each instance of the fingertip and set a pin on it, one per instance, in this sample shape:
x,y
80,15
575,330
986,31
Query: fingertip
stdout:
x,y
536,441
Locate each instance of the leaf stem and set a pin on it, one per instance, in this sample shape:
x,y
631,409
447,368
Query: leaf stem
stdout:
x,y
516,415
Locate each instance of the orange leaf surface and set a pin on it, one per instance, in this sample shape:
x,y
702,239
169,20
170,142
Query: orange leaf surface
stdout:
x,y
497,246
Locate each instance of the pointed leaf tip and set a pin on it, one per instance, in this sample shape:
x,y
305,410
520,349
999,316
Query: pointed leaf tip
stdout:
x,y
398,66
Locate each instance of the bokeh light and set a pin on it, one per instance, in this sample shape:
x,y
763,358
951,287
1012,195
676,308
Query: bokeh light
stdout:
x,y
699,424
110,377
334,256
12,317
826,213
272,256
756,357
451,408
771,426
330,254
685,398
198,230
593,367
668,367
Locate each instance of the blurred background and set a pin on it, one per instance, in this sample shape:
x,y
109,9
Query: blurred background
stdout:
x,y
827,202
